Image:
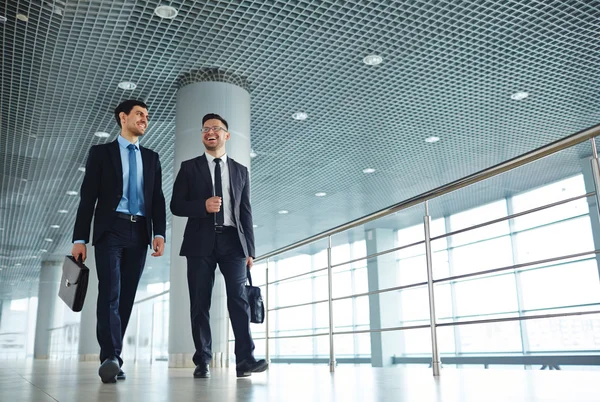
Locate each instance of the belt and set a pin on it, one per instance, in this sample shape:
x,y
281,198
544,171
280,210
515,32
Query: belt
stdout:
x,y
130,218
222,228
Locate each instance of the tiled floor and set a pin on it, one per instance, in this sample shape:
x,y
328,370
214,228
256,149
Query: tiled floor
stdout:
x,y
73,381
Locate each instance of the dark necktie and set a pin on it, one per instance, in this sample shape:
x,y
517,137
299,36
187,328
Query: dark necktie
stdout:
x,y
133,193
220,218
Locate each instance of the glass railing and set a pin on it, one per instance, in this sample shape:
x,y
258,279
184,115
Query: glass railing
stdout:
x,y
423,282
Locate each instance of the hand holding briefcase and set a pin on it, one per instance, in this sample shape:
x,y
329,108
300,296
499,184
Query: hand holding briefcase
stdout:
x,y
74,282
257,308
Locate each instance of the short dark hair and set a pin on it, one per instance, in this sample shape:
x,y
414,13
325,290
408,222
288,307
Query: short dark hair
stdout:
x,y
211,116
126,107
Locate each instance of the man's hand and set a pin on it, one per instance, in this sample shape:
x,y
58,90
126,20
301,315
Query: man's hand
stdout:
x,y
79,251
158,245
249,262
213,205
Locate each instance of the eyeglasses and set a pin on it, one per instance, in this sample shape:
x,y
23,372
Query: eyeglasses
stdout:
x,y
216,129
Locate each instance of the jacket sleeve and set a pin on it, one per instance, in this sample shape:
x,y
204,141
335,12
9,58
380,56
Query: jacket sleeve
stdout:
x,y
88,195
246,216
159,220
181,205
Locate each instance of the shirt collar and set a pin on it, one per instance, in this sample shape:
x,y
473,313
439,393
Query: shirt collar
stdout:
x,y
211,158
124,143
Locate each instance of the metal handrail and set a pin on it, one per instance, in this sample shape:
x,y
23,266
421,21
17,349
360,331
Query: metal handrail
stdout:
x,y
511,164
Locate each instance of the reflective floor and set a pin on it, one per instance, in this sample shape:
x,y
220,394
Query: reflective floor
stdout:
x,y
74,381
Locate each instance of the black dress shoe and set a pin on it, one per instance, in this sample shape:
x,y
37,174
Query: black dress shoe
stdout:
x,y
121,375
202,371
249,366
109,369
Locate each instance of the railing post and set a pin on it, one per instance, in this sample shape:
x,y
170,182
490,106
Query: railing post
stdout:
x,y
595,172
267,350
137,334
435,355
330,303
152,333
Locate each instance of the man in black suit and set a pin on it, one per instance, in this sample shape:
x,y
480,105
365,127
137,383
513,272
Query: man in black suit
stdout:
x,y
213,192
122,189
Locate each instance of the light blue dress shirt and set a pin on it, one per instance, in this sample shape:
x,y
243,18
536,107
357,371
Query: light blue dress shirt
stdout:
x,y
124,203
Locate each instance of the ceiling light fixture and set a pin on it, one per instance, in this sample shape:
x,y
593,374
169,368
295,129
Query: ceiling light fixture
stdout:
x,y
254,226
22,17
373,60
43,250
166,12
299,116
101,134
71,192
252,154
283,212
81,169
49,240
18,264
63,211
321,194
368,170
55,226
127,85
432,139
519,95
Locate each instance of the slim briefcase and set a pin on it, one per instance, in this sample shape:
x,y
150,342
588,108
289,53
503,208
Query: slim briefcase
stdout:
x,y
257,308
74,283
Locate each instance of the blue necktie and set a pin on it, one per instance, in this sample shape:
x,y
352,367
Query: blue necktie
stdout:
x,y
134,205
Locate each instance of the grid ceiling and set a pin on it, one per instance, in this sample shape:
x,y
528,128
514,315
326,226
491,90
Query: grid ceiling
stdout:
x,y
450,68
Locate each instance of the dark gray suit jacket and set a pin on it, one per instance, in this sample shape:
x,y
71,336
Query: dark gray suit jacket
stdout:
x,y
193,186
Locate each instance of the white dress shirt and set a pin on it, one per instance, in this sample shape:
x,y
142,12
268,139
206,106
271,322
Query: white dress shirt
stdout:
x,y
225,183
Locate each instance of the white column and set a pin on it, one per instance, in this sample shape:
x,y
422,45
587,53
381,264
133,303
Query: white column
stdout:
x,y
89,350
196,97
50,275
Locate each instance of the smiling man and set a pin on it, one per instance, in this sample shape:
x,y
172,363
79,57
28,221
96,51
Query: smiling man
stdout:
x,y
122,190
213,192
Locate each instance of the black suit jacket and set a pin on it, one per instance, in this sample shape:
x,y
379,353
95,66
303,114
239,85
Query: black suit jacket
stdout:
x,y
102,190
193,186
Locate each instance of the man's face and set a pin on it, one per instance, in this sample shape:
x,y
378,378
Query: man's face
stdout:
x,y
214,134
136,122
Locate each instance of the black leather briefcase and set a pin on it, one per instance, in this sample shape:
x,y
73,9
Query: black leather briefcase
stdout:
x,y
257,308
74,283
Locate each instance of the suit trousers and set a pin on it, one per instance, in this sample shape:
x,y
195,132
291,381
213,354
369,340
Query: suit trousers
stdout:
x,y
120,258
228,254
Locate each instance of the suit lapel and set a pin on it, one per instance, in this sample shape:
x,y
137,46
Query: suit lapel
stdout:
x,y
115,156
235,179
147,169
205,173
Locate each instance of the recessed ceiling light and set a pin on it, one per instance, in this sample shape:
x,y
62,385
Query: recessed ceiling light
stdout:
x,y
127,85
43,250
63,211
254,226
55,226
49,240
18,264
299,116
321,194
81,169
101,134
432,139
283,212
22,17
71,192
167,12
368,170
3,19
519,95
373,60
252,153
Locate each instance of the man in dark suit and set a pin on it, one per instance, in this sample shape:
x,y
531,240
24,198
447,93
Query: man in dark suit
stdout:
x,y
122,189
213,192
